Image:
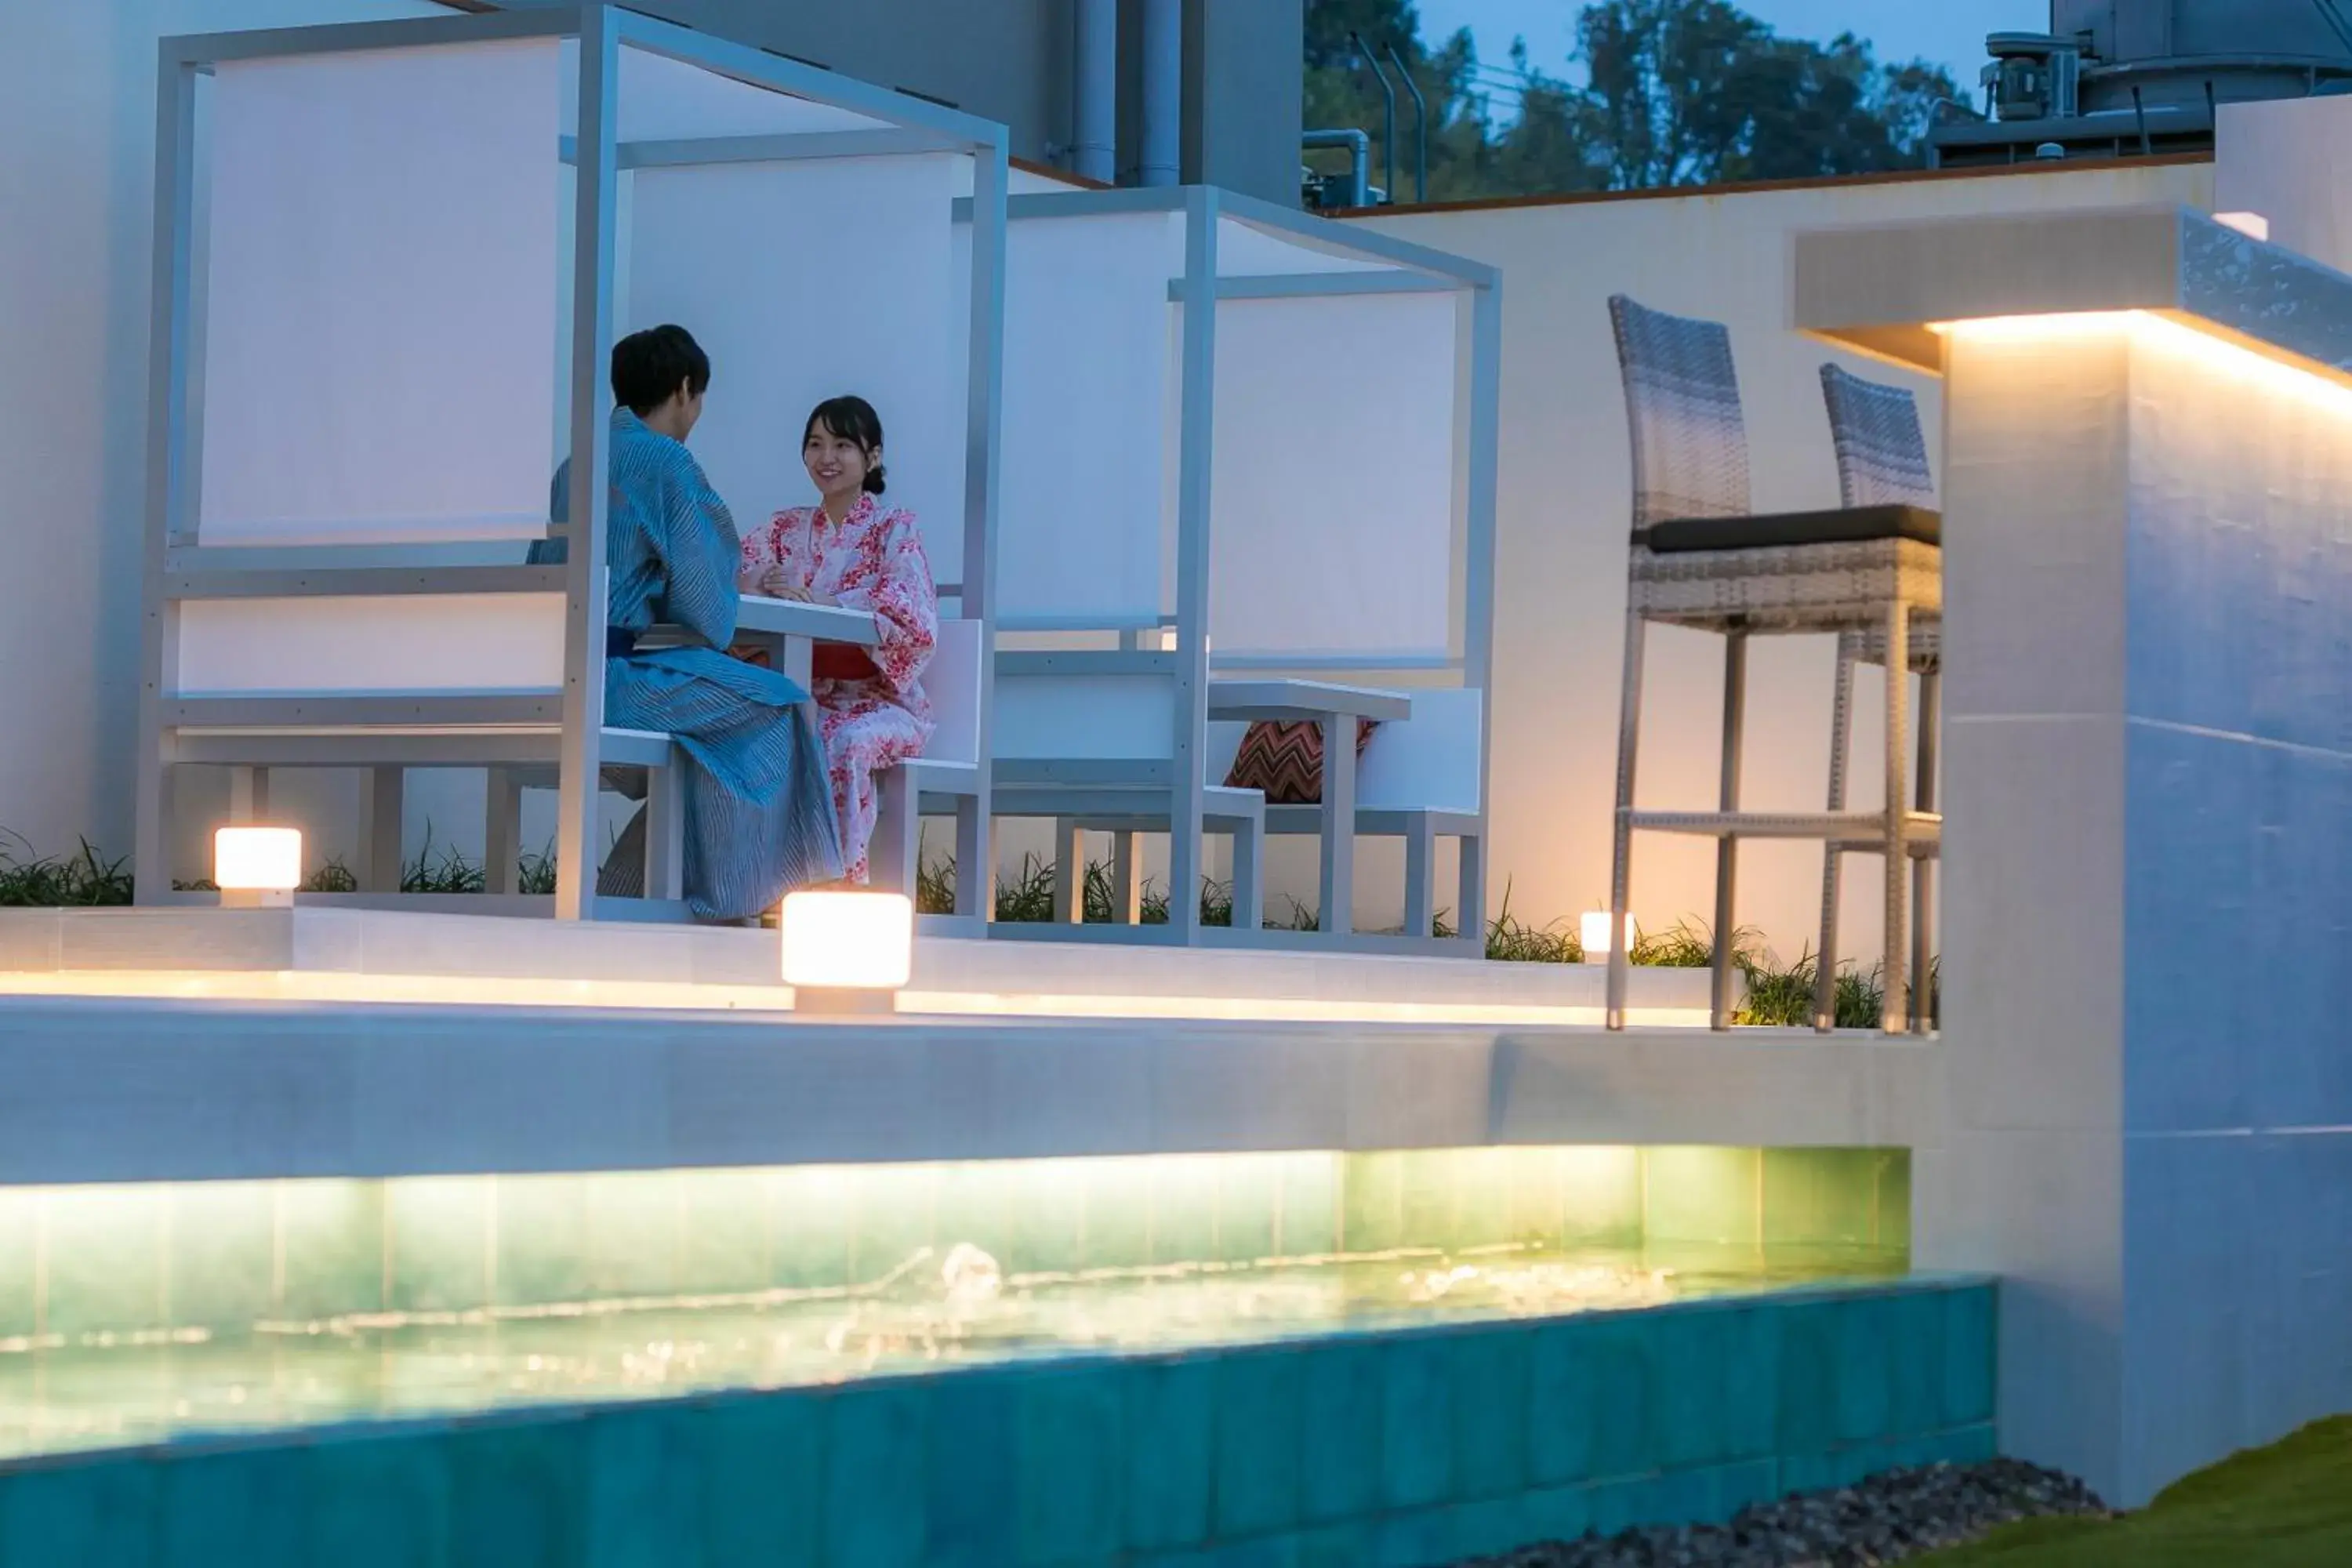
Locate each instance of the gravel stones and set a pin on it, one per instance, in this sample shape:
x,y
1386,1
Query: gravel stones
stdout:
x,y
1890,1517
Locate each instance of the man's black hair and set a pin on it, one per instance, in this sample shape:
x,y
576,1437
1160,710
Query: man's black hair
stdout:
x,y
649,366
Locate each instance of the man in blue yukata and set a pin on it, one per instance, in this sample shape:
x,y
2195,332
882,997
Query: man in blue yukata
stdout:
x,y
759,810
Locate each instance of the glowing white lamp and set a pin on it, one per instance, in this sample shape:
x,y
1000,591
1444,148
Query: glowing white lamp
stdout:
x,y
257,866
2253,225
1593,930
847,950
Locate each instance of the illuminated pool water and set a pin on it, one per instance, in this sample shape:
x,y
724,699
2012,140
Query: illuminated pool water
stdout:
x,y
1300,1358
935,1310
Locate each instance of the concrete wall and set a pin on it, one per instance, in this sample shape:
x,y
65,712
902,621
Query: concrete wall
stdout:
x,y
2146,1081
1564,498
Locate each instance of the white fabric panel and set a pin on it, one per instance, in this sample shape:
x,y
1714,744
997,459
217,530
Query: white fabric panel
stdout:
x,y
1087,376
1333,489
951,681
1246,250
802,281
382,276
400,642
1430,761
1123,718
666,99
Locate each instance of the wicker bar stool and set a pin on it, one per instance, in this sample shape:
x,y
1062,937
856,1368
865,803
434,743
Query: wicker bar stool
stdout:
x,y
1702,558
1882,460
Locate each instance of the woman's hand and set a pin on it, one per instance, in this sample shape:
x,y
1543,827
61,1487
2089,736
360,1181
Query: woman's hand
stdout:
x,y
775,582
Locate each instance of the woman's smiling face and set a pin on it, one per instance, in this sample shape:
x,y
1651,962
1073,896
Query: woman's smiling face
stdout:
x,y
835,462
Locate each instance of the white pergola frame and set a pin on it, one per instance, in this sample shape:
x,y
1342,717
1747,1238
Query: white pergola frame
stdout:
x,y
177,568
1407,268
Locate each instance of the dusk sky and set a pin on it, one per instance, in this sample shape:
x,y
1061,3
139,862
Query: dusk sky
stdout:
x,y
1951,32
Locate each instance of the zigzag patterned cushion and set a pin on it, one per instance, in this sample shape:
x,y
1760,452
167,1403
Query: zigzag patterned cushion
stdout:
x,y
1283,761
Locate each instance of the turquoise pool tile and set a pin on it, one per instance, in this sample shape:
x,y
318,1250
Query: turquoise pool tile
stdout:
x,y
1170,1420
1747,1416
1068,1437
1185,1209
1049,1217
974,1472
1895,1202
877,1475
104,1259
1349,1545
1258,1438
1490,1412
1621,1356
542,1239
894,1215
1485,1183
762,1468
1420,1539
1314,1195
1249,1206
20,1225
1563,1404
1373,1202
1417,1432
331,1236
636,1223
644,1487
1488,1528
519,1491
222,1263
1557,1513
1431,1199
241,1507
1713,1495
978,1478
98,1515
1810,1359
386,1502
1821,1196
723,1237
1970,1354
438,1242
1118,1213
1601,1196
1689,1351
1340,1400
1915,1363
1265,1551
1703,1194
808,1226
1866,1329
1622,1504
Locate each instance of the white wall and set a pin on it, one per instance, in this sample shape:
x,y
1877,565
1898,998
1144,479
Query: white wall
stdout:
x,y
77,167
1564,507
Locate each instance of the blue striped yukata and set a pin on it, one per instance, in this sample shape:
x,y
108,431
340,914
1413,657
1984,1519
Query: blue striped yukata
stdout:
x,y
759,809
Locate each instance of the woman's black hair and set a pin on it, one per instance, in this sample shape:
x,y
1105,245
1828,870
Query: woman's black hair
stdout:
x,y
851,419
649,366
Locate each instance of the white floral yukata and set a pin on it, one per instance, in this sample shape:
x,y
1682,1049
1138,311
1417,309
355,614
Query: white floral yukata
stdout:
x,y
871,560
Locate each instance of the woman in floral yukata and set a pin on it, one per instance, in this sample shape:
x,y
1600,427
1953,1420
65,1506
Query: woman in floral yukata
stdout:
x,y
855,551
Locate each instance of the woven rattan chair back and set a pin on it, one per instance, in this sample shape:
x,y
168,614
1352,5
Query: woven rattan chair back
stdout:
x,y
1682,405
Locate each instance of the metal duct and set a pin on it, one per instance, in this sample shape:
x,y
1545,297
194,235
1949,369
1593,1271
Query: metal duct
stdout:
x,y
1163,92
1094,140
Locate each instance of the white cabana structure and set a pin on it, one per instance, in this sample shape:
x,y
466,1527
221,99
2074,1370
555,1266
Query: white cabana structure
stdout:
x,y
391,259
1249,465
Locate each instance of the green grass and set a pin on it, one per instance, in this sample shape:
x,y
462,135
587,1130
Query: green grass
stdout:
x,y
2287,1506
82,879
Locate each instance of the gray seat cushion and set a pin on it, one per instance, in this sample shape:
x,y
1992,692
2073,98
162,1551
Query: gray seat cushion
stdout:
x,y
1851,526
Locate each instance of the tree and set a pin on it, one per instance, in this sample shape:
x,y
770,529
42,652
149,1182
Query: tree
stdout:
x,y
1675,92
